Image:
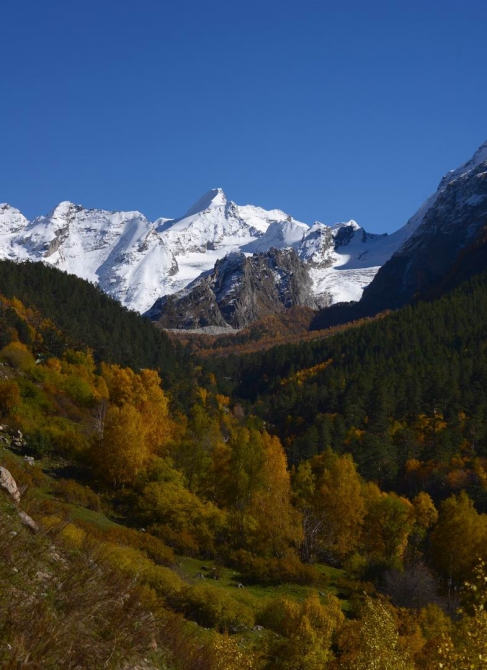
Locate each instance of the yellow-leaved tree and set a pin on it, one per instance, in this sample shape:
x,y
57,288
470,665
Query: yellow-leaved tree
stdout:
x,y
388,522
133,426
459,539
122,452
372,642
466,646
328,492
277,523
305,632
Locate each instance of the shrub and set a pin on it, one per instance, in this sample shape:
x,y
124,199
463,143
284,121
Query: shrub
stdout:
x,y
79,390
40,442
76,494
165,583
9,396
213,608
26,476
17,356
151,546
273,571
180,517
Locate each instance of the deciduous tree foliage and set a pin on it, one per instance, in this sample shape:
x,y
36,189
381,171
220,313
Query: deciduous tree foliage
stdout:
x,y
388,522
276,525
328,493
372,642
122,452
307,629
465,647
135,427
459,539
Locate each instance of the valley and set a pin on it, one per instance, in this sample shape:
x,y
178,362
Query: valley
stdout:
x,y
269,497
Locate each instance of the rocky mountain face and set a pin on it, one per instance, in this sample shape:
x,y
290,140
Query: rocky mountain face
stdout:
x,y
450,240
241,289
447,245
139,262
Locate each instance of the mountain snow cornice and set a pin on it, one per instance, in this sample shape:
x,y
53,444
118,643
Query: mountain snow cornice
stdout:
x,y
138,261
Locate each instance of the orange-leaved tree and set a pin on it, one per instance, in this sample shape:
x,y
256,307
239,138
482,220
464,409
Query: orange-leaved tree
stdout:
x,y
135,425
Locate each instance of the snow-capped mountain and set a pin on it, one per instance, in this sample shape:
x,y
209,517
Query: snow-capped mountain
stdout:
x,y
212,228
280,234
138,261
449,237
119,251
11,221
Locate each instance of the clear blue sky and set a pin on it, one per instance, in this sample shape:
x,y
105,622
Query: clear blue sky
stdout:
x,y
329,110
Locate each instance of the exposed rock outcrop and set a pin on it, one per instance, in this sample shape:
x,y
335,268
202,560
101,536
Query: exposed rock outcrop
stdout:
x,y
448,245
28,521
455,223
8,483
240,290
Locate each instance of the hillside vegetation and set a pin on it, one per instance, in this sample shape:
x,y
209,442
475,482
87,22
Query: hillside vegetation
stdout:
x,y
85,316
404,394
171,532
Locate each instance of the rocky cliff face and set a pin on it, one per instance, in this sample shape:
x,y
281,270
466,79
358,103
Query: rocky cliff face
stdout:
x,y
240,290
445,243
453,227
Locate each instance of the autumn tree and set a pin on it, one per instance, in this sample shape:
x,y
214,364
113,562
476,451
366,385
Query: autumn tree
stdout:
x,y
466,646
372,642
277,524
177,515
9,396
388,523
143,391
193,452
133,427
328,492
305,631
459,539
425,516
122,452
228,655
241,475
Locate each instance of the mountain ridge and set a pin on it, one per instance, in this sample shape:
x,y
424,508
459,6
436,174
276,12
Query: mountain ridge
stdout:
x,y
138,261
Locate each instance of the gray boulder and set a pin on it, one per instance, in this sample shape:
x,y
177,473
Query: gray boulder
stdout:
x,y
8,483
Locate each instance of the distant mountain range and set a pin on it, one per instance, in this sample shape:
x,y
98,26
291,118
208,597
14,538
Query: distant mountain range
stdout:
x,y
141,263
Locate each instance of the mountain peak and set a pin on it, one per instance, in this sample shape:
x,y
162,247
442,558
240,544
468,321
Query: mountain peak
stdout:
x,y
63,209
346,224
480,156
215,197
11,219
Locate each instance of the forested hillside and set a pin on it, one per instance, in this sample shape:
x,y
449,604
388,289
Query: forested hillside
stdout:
x,y
183,520
88,317
407,387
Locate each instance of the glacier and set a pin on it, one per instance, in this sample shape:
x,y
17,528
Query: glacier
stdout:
x,y
138,261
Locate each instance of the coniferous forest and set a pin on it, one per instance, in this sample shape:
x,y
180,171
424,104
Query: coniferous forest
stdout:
x,y
315,505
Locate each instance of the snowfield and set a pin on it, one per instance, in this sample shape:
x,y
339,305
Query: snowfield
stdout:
x,y
137,261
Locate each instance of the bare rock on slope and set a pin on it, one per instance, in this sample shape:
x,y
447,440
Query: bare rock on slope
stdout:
x,y
8,483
